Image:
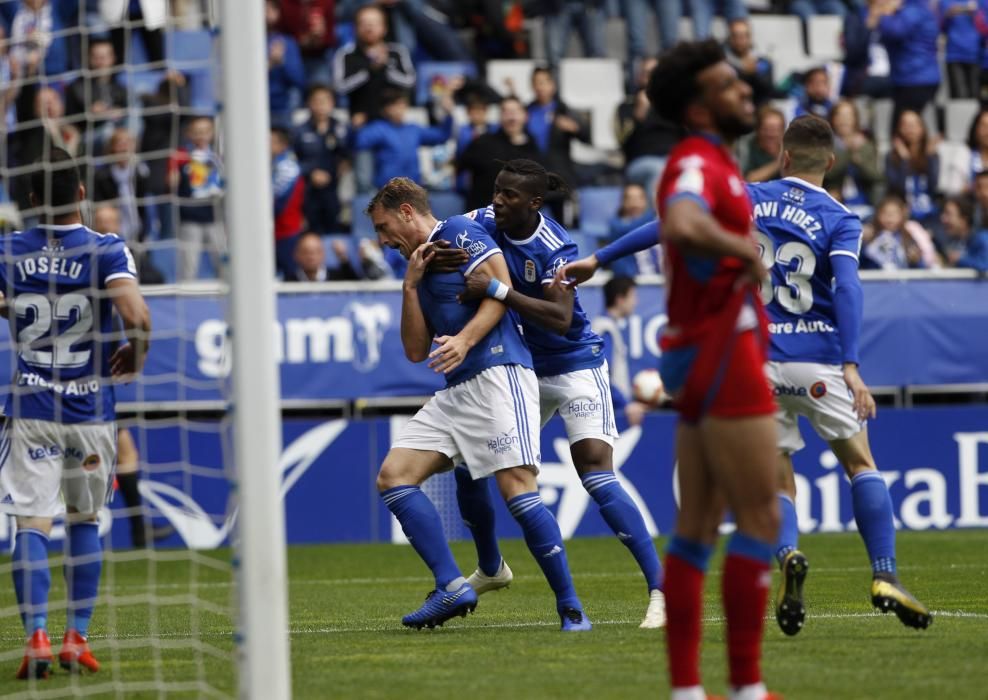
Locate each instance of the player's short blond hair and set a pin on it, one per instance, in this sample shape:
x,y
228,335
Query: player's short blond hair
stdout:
x,y
398,191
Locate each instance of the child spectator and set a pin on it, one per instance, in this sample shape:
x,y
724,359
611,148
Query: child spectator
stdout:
x,y
963,47
395,143
288,188
816,94
912,167
856,177
320,145
196,176
762,161
965,246
476,126
634,212
286,73
892,242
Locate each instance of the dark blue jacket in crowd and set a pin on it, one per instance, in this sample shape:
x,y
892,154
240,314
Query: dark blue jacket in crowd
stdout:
x,y
963,40
910,36
317,151
976,254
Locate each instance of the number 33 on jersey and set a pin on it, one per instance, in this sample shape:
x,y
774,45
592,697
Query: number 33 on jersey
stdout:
x,y
800,227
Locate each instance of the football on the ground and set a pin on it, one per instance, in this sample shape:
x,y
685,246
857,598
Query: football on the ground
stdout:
x,y
648,388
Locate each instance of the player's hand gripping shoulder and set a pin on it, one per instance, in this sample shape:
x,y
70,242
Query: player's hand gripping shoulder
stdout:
x,y
576,272
446,258
476,286
418,265
864,402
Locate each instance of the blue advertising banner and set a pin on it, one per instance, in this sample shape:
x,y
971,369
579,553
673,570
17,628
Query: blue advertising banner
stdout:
x,y
935,461
346,345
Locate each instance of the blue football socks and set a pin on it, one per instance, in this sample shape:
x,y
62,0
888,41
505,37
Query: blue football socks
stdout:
x,y
546,544
83,565
623,517
788,528
873,515
477,510
32,578
423,527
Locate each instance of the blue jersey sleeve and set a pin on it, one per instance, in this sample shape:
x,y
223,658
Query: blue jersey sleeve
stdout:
x,y
485,217
115,261
641,238
847,239
848,305
466,234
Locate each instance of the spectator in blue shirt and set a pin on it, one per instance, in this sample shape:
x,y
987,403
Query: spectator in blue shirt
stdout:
x,y
807,8
963,47
635,211
968,248
816,94
553,126
912,167
909,30
320,145
395,144
620,301
286,72
866,65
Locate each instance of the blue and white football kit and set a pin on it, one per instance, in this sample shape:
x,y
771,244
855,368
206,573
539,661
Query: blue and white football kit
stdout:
x,y
805,236
487,414
60,434
572,370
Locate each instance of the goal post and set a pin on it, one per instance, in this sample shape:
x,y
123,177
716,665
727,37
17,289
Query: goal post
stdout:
x,y
261,568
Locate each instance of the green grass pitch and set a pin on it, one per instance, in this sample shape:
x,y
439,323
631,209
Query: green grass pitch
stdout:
x,y
347,640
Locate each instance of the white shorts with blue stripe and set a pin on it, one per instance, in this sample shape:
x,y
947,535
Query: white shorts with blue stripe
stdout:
x,y
46,466
490,421
583,401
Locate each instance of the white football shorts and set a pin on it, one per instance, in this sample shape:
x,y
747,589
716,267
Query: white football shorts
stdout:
x,y
46,467
490,421
817,392
583,401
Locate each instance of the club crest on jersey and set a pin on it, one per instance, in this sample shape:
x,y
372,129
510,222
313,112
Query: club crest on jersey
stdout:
x,y
530,271
795,195
818,390
558,265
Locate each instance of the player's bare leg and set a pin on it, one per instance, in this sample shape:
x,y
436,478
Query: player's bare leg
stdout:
x,y
790,609
520,492
32,580
594,461
741,455
83,564
874,518
398,481
701,509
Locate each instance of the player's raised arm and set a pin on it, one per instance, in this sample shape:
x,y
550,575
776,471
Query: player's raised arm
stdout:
x,y
416,336
129,303
452,350
638,239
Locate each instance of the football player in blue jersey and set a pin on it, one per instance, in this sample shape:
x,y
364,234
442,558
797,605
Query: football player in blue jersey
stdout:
x,y
810,242
572,373
487,414
61,282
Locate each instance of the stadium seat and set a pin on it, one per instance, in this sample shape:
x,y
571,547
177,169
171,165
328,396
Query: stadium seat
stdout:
x,y
192,53
778,37
430,71
958,118
520,71
597,206
718,28
362,226
595,85
446,204
824,37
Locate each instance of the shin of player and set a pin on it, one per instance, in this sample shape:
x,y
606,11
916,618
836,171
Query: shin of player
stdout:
x,y
59,440
569,361
713,364
486,415
815,373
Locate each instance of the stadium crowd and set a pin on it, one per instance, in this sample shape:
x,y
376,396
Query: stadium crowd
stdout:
x,y
438,91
